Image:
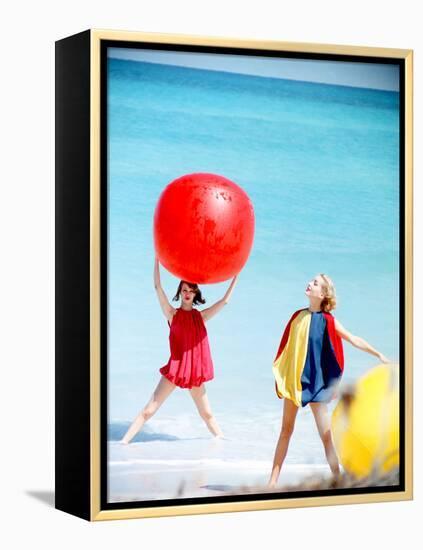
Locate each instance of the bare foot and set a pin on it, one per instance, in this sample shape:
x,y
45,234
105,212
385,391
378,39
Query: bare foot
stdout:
x,y
336,478
123,442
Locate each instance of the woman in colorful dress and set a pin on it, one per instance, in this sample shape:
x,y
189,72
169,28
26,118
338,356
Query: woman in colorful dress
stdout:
x,y
190,364
308,367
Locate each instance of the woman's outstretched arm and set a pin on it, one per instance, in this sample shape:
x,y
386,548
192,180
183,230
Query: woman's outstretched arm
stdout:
x,y
358,342
209,312
167,309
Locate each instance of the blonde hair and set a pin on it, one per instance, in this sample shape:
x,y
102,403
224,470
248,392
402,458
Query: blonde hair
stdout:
x,y
329,301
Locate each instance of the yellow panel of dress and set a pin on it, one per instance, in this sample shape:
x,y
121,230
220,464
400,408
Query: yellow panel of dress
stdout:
x,y
288,366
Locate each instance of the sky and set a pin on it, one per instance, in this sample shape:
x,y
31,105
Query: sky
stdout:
x,y
362,75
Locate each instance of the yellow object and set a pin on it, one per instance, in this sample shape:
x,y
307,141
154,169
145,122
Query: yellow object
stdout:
x,y
288,367
365,423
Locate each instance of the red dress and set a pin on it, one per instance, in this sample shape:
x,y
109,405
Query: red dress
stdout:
x,y
190,363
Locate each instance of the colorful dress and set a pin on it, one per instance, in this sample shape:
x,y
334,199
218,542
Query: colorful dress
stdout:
x,y
190,363
310,358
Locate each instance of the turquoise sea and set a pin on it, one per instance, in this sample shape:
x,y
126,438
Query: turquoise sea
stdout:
x,y
320,164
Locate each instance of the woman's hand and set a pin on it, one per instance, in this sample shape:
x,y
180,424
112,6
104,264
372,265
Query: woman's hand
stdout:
x,y
215,308
230,289
167,309
157,284
358,342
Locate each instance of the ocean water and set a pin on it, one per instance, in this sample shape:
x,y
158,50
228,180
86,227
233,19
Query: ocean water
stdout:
x,y
320,164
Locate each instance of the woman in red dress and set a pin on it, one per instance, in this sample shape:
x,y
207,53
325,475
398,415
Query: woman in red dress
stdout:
x,y
190,364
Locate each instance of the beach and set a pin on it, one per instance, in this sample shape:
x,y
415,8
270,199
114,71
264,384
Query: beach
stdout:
x,y
134,473
175,453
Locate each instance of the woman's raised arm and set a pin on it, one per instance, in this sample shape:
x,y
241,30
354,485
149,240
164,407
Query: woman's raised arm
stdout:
x,y
358,342
167,309
209,312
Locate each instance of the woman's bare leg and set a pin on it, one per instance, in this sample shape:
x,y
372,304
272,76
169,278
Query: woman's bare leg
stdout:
x,y
201,400
288,422
161,393
322,418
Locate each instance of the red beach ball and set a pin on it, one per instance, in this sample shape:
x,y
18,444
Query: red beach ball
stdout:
x,y
203,228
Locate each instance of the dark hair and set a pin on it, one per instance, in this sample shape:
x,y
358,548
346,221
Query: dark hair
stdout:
x,y
198,298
